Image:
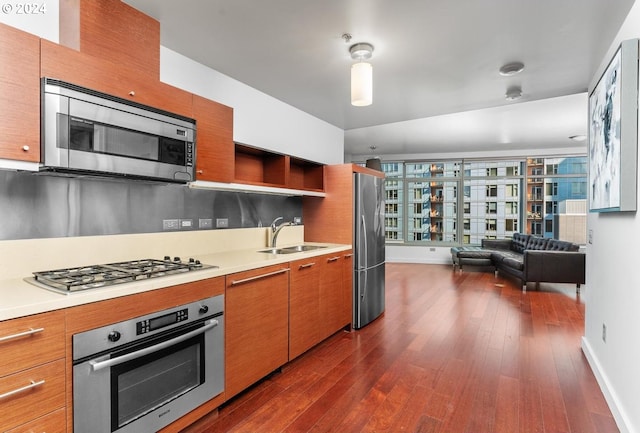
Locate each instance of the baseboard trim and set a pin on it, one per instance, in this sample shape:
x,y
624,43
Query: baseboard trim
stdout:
x,y
607,390
418,261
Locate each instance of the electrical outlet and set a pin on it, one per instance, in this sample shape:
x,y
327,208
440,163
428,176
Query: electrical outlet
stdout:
x,y
590,237
222,223
297,220
186,224
432,249
604,332
205,223
173,224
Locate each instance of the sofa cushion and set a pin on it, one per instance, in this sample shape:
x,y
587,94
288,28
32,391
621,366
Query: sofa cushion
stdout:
x,y
508,258
519,242
537,243
556,245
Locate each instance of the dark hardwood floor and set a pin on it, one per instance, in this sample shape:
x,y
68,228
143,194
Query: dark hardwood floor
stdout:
x,y
454,352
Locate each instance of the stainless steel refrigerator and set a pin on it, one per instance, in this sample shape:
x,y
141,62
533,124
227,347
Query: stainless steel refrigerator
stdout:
x,y
369,257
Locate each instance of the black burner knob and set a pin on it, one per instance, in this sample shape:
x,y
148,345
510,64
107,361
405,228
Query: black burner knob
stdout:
x,y
191,260
167,258
176,259
204,309
113,336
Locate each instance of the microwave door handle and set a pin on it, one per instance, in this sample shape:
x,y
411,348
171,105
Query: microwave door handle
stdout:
x,y
99,365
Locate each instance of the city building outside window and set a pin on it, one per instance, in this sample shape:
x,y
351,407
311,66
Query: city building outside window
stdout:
x,y
539,196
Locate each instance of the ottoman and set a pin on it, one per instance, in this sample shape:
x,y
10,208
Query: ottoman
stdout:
x,y
475,256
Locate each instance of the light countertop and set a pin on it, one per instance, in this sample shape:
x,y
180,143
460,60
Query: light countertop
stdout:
x,y
20,298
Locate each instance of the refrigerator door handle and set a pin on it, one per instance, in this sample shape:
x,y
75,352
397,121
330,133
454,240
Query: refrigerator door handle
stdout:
x,y
364,239
363,295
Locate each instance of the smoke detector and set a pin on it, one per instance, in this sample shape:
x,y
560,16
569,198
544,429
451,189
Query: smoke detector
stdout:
x,y
513,93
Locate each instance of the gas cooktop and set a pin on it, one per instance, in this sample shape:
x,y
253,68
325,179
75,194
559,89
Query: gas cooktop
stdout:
x,y
96,276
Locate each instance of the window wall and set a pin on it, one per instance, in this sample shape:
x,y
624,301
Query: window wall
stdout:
x,y
497,198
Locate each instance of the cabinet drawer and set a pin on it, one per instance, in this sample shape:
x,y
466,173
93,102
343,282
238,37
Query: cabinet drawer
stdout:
x,y
31,394
53,422
30,341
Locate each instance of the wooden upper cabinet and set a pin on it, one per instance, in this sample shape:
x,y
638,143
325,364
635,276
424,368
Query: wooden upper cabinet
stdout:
x,y
103,75
215,154
330,219
111,29
19,95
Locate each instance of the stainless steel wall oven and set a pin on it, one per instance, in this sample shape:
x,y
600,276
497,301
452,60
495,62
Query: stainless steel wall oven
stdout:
x,y
142,374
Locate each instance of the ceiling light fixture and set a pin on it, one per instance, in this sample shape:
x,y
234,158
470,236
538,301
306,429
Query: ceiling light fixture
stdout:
x,y
513,93
374,162
511,69
361,75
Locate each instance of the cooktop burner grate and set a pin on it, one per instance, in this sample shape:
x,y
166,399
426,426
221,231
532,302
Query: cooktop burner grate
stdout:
x,y
95,276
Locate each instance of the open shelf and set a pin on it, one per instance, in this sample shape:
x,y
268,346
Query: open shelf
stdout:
x,y
306,175
260,167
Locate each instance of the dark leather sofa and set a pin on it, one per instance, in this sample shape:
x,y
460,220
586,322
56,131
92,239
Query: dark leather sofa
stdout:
x,y
535,259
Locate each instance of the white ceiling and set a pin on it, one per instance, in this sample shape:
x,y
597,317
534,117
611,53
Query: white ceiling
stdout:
x,y
432,58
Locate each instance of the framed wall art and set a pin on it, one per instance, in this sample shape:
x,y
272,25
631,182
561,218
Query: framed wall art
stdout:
x,y
613,133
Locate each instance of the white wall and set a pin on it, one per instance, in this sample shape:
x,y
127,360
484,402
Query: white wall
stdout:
x,y
43,24
258,119
613,293
418,254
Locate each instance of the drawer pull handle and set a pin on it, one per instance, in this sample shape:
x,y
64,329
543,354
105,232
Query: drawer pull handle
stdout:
x,y
346,256
332,259
25,148
258,277
31,331
306,265
32,385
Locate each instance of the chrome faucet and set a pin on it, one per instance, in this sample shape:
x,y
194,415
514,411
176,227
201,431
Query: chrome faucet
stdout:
x,y
275,229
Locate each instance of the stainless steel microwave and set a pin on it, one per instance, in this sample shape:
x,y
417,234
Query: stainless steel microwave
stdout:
x,y
86,131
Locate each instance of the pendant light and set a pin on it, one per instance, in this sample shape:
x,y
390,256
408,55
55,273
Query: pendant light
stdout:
x,y
361,75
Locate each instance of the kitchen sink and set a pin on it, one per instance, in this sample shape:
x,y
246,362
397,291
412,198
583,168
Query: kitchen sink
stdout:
x,y
291,250
299,248
275,251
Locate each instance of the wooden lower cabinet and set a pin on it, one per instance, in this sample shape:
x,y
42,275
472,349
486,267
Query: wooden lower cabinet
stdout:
x,y
46,394
304,305
53,422
32,370
319,299
331,295
347,287
29,341
256,323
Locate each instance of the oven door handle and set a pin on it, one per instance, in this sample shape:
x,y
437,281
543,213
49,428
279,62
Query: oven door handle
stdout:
x,y
99,365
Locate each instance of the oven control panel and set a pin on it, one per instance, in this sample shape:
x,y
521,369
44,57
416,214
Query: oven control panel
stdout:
x,y
122,333
159,322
